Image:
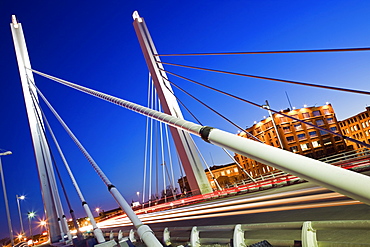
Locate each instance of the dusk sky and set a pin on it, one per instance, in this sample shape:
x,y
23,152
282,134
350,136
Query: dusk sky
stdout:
x,y
93,43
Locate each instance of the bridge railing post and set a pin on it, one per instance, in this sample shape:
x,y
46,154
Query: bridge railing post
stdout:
x,y
238,236
194,237
308,235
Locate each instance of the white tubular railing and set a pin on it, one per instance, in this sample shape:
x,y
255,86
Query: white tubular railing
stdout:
x,y
276,234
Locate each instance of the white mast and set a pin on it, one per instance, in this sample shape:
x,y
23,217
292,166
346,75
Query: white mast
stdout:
x,y
48,186
184,144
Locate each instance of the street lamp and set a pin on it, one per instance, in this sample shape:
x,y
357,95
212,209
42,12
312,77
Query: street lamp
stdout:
x,y
19,211
6,197
43,223
97,210
31,215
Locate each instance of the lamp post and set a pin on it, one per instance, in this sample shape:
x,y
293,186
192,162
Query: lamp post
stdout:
x,y
19,211
97,211
6,197
43,224
30,216
138,195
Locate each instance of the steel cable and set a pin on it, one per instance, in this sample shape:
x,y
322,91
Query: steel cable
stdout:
x,y
265,52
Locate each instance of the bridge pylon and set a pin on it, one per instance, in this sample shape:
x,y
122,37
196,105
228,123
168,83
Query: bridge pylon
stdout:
x,y
52,205
185,146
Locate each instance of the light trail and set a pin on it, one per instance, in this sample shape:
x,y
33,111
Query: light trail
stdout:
x,y
251,198
201,211
226,202
265,210
220,210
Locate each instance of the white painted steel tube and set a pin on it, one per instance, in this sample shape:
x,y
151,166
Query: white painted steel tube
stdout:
x,y
352,184
97,231
144,231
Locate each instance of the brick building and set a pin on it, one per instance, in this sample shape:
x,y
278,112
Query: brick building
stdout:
x,y
224,174
357,127
292,135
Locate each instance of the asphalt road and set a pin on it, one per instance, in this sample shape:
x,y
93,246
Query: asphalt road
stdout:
x,y
312,203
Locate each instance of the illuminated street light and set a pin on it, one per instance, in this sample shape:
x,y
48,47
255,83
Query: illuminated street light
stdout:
x,y
19,211
97,210
31,215
6,197
43,226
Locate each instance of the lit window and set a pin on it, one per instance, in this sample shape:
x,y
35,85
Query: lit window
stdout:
x,y
326,112
319,122
302,136
327,141
316,144
268,124
330,120
322,132
305,146
283,120
298,126
308,126
294,149
312,134
290,138
228,171
235,169
306,115
316,113
223,173
355,127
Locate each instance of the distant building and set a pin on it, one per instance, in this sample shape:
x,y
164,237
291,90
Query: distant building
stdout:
x,y
223,174
294,136
357,127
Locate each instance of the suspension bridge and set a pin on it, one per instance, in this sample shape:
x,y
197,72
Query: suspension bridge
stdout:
x,y
342,181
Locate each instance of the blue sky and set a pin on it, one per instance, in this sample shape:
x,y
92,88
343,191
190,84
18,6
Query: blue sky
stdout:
x,y
94,44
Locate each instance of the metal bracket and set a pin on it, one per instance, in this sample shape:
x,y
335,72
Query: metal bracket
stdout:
x,y
131,236
194,237
166,237
308,235
120,235
238,240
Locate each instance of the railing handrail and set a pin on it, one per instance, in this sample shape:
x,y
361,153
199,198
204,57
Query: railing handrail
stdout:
x,y
308,232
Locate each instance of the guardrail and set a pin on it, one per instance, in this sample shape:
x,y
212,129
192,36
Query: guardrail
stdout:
x,y
346,155
305,234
